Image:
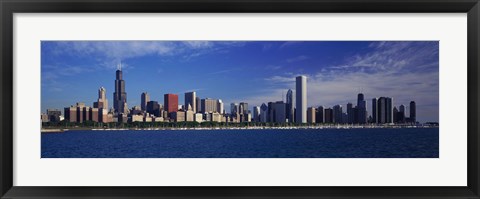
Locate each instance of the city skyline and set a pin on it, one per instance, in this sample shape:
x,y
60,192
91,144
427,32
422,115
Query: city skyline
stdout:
x,y
277,84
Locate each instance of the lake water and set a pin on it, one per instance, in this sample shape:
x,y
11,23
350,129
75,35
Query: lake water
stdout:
x,y
273,143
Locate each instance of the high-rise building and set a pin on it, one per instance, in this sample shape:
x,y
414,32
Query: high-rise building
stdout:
x,y
153,108
350,113
234,108
209,105
198,105
256,113
243,108
337,114
289,104
395,114
413,112
94,114
385,110
375,110
328,115
191,99
263,113
301,99
71,114
54,115
311,115
220,106
320,115
102,101
401,114
170,102
361,109
119,96
279,112
145,99
270,112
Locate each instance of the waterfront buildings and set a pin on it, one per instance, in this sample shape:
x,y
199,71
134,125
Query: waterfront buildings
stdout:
x,y
263,112
361,109
119,96
145,98
234,108
320,115
375,110
191,99
170,102
208,109
311,119
301,99
290,107
328,115
278,112
102,101
413,112
256,113
243,108
153,108
53,115
220,106
209,105
337,114
384,110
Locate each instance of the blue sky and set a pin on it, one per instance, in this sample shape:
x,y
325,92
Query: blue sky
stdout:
x,y
250,71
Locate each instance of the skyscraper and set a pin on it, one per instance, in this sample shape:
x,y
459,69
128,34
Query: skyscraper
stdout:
x,y
170,102
256,113
191,99
320,115
119,96
243,108
328,115
337,114
153,108
361,109
385,110
401,114
350,114
289,104
278,112
263,113
209,105
375,110
301,99
145,99
198,104
220,106
311,115
102,101
413,112
234,108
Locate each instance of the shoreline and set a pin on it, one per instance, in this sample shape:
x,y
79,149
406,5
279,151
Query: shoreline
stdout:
x,y
61,130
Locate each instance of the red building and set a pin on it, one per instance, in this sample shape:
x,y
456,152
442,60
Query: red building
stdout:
x,y
171,103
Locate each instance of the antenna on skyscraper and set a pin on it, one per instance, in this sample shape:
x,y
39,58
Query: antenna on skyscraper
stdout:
x,y
119,66
283,95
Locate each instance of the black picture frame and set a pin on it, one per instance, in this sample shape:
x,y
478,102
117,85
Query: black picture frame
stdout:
x,y
9,7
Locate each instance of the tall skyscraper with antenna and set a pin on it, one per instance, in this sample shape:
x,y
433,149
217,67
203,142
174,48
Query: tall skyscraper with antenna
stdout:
x,y
119,96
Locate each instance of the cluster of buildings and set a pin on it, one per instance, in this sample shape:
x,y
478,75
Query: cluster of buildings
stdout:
x,y
194,109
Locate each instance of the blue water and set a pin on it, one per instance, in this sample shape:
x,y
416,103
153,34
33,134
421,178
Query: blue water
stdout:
x,y
300,143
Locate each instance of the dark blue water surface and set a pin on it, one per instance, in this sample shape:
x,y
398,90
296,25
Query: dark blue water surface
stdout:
x,y
297,143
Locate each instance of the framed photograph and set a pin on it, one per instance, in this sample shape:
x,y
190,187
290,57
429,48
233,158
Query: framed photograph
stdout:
x,y
258,99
